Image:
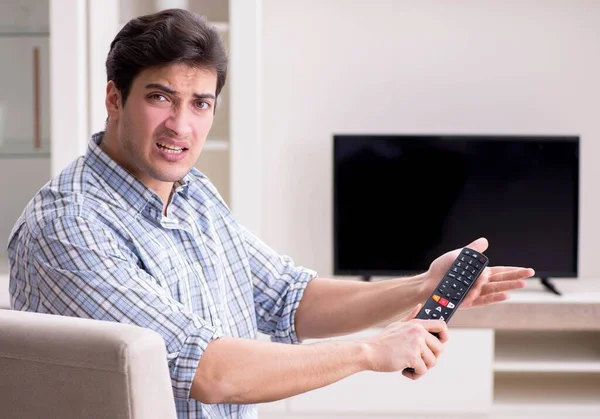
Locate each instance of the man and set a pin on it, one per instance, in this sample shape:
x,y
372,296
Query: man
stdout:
x,y
132,233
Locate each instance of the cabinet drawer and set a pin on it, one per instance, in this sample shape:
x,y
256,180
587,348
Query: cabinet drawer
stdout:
x,y
460,383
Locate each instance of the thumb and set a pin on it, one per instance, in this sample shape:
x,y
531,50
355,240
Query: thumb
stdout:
x,y
481,245
413,313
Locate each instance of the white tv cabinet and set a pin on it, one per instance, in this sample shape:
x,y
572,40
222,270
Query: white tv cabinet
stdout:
x,y
534,356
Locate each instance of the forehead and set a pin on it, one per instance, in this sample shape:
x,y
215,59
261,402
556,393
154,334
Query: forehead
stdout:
x,y
180,77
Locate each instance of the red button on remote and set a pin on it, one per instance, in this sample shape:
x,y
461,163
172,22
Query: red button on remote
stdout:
x,y
443,302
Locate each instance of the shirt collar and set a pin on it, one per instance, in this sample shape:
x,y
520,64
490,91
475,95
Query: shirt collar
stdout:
x,y
182,187
128,187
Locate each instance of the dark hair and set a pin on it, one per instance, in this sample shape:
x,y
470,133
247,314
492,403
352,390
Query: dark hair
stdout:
x,y
166,37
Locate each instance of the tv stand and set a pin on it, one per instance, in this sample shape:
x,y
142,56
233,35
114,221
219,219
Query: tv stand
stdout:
x,y
549,286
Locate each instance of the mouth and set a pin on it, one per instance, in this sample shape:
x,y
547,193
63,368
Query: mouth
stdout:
x,y
170,149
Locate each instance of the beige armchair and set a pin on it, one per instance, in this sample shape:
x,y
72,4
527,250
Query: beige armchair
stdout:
x,y
67,368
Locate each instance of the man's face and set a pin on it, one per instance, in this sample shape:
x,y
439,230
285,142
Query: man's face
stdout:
x,y
164,123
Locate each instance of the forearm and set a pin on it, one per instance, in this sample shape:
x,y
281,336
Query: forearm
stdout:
x,y
333,307
241,371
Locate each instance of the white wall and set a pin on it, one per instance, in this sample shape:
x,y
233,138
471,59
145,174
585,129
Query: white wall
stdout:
x,y
389,66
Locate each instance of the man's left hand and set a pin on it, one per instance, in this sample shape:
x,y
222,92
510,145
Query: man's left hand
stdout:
x,y
491,287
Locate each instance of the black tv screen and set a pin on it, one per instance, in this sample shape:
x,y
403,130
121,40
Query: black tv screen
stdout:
x,y
400,201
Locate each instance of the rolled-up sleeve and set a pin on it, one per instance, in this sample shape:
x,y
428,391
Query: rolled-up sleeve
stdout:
x,y
278,288
83,270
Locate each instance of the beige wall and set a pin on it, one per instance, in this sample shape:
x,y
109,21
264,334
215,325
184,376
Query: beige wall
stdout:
x,y
392,66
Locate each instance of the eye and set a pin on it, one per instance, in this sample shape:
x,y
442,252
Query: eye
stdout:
x,y
157,97
203,105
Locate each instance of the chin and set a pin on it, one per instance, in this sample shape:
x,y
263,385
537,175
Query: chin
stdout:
x,y
170,175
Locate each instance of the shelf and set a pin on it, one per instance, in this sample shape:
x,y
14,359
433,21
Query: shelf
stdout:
x,y
221,27
518,367
25,98
546,391
529,410
548,351
17,34
216,145
15,149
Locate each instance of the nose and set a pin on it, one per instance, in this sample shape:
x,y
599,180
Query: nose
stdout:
x,y
179,122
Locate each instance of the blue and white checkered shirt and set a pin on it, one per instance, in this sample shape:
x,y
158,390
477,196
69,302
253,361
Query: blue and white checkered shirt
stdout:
x,y
93,243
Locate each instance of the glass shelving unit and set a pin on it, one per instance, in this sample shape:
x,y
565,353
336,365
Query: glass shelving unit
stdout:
x,y
24,79
24,111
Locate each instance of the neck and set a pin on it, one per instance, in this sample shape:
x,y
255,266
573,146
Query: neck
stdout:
x,y
110,146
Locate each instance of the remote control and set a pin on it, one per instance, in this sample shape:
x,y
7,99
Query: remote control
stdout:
x,y
453,287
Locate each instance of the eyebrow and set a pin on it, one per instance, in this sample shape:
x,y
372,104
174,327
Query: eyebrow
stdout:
x,y
174,92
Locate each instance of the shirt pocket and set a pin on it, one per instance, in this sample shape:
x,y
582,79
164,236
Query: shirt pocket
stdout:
x,y
175,279
187,285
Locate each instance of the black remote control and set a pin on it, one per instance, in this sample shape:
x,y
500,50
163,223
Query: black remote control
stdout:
x,y
453,287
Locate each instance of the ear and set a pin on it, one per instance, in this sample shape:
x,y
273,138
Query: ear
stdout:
x,y
113,101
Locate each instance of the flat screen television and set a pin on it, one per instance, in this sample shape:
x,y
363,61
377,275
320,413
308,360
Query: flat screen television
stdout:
x,y
400,201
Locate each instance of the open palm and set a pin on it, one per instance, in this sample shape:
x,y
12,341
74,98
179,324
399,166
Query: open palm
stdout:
x,y
491,287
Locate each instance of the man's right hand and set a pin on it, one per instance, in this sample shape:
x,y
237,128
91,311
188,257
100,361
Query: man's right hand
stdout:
x,y
408,343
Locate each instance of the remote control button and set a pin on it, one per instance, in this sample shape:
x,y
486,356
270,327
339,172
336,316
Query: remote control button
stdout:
x,y
452,275
450,305
442,318
427,311
443,302
454,285
436,298
438,308
434,315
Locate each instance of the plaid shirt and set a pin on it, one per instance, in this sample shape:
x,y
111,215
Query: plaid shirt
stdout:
x,y
93,243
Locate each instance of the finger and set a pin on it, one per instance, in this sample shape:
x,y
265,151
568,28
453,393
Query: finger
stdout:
x,y
504,286
429,358
419,365
481,244
411,374
434,344
434,326
413,313
503,273
496,269
442,336
490,299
